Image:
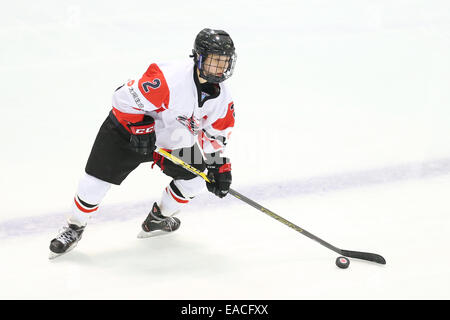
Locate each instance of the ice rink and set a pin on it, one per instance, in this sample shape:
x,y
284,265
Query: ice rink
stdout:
x,y
342,127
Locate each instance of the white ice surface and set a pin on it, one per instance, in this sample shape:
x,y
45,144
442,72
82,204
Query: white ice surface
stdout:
x,y
342,127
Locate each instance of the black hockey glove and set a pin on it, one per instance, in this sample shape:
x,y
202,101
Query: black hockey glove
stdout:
x,y
143,137
220,176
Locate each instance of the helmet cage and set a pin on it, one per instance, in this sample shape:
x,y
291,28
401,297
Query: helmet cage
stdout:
x,y
200,59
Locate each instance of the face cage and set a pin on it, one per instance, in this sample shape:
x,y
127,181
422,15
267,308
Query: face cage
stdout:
x,y
213,78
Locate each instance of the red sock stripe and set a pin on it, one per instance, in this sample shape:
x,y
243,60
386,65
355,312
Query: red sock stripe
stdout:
x,y
177,199
79,206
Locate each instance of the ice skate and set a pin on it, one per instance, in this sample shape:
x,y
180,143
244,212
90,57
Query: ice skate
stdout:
x,y
66,240
156,224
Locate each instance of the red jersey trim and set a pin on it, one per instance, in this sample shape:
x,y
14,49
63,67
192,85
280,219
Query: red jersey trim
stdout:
x,y
227,121
125,118
154,88
203,139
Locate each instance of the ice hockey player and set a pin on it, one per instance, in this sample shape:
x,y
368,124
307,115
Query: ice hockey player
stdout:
x,y
182,107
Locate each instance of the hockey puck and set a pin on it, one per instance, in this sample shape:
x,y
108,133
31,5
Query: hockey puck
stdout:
x,y
342,262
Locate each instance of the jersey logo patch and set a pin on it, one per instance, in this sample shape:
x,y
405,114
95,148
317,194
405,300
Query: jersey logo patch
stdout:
x,y
204,95
192,123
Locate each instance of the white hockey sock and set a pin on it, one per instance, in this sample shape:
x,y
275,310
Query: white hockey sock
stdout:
x,y
90,193
178,194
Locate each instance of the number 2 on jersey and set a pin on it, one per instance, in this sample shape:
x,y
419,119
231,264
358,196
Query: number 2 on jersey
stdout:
x,y
155,84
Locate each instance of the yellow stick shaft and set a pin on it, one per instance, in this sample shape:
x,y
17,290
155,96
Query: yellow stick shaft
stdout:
x,y
180,162
352,254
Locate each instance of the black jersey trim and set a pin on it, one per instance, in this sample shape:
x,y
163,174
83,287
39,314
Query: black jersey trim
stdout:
x,y
212,89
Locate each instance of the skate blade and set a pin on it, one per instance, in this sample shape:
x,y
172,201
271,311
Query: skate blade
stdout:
x,y
142,234
53,255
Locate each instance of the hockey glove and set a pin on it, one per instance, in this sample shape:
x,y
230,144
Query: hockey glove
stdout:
x,y
220,177
143,137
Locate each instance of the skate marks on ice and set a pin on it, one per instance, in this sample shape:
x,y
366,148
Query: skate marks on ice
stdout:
x,y
52,222
172,251
294,188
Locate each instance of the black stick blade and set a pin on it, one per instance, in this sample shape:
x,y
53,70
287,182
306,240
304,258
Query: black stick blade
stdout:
x,y
364,256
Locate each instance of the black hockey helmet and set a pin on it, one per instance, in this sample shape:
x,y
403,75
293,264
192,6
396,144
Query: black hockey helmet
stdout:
x,y
210,41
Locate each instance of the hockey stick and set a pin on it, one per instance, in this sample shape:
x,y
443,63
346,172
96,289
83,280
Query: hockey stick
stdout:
x,y
348,253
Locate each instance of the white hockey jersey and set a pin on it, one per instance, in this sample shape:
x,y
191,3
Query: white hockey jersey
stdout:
x,y
183,113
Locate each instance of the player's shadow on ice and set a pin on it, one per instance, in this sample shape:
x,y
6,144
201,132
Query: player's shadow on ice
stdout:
x,y
166,254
